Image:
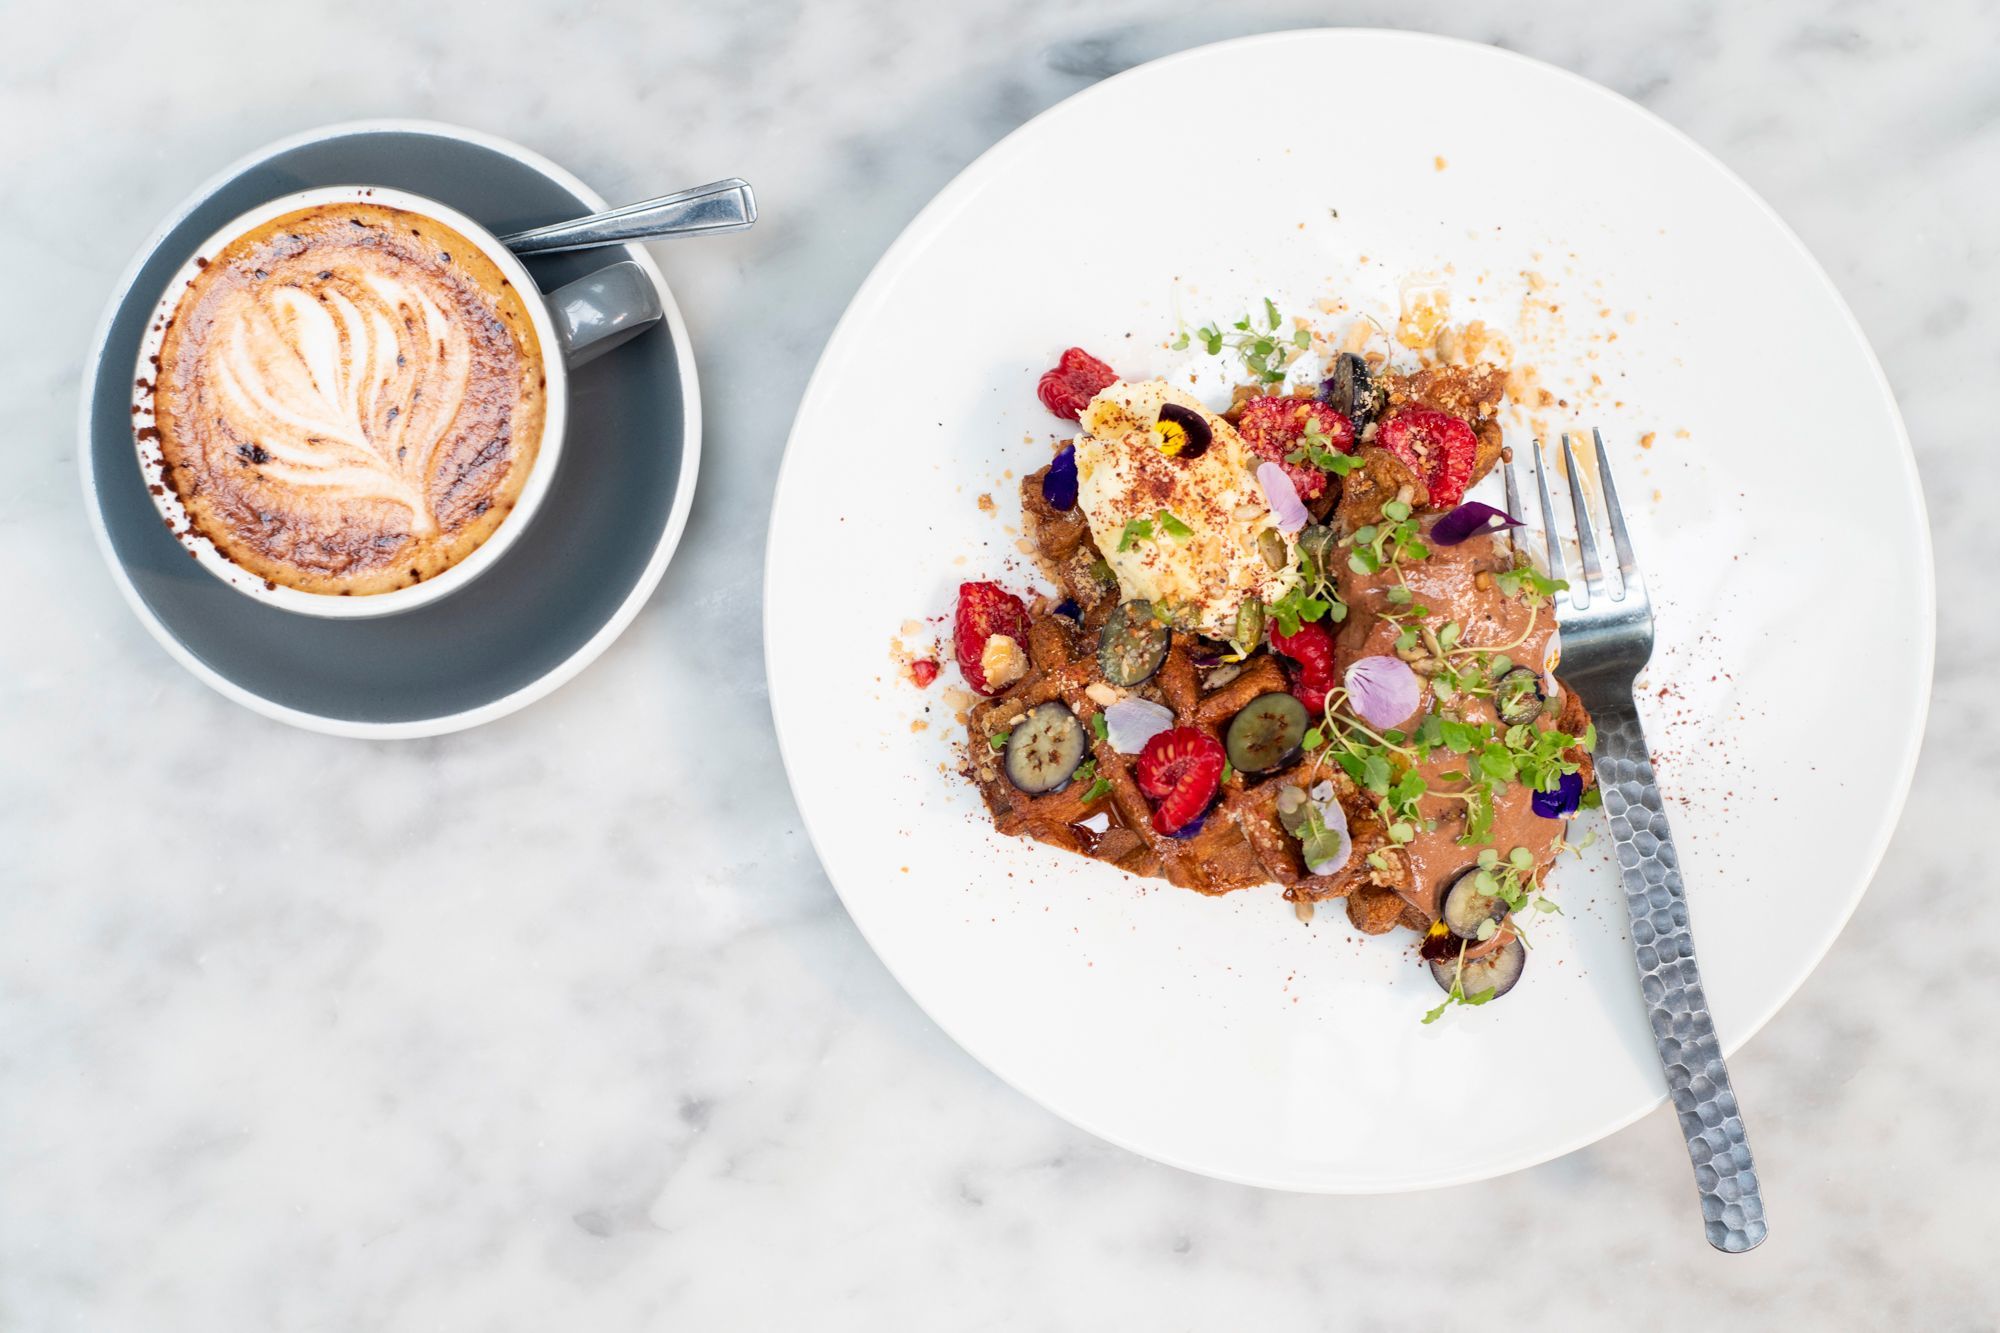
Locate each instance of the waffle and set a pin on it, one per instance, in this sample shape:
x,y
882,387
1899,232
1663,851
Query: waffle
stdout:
x,y
1240,842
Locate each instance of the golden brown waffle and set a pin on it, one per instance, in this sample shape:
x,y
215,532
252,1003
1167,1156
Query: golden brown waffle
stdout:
x,y
1241,842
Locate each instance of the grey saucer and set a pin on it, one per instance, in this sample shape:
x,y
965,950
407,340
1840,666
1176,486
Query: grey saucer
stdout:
x,y
548,606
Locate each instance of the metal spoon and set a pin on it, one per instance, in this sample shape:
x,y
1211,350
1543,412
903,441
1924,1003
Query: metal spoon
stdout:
x,y
720,206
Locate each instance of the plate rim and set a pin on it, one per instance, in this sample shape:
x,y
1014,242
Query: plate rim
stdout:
x,y
549,681
921,229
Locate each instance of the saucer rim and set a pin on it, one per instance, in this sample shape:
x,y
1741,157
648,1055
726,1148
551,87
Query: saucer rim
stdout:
x,y
444,723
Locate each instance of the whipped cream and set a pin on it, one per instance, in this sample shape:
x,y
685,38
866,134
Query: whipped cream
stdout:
x,y
1124,478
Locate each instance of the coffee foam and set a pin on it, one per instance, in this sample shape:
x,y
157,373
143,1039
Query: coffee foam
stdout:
x,y
349,399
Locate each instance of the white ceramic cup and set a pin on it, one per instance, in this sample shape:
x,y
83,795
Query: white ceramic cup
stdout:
x,y
573,325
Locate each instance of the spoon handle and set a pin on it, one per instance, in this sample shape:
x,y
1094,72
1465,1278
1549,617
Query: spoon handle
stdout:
x,y
720,206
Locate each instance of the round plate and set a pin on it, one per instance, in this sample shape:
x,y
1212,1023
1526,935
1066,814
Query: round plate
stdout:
x,y
1772,496
559,595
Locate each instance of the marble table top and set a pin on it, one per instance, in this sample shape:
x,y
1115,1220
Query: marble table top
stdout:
x,y
558,1024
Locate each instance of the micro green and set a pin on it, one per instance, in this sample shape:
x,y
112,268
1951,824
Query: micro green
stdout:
x,y
1457,995
1316,448
1525,583
1260,344
1299,606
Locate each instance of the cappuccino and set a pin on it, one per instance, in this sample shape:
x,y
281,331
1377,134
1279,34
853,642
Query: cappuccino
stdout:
x,y
348,399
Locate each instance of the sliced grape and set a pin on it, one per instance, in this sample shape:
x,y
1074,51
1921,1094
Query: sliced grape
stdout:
x,y
1045,748
1266,735
1468,908
1517,698
1132,644
1497,972
1351,391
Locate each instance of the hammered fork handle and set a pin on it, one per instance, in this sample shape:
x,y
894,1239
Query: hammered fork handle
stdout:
x,y
1670,983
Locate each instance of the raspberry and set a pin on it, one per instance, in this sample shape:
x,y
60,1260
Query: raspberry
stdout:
x,y
1182,770
923,671
1312,649
1077,378
984,610
1275,427
1437,446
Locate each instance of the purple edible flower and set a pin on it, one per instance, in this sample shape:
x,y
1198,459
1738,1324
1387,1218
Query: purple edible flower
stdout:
x,y
1208,653
1564,800
1059,482
1383,690
1131,722
1470,519
1283,497
1193,828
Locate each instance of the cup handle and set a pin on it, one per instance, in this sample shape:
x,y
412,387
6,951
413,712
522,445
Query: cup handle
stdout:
x,y
602,310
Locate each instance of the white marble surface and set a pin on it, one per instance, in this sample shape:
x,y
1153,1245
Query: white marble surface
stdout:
x,y
557,1023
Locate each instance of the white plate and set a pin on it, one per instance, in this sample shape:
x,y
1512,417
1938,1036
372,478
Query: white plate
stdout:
x,y
1776,512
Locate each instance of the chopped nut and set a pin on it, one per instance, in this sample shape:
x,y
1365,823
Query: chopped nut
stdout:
x,y
1303,909
1103,695
1221,676
1003,661
1483,580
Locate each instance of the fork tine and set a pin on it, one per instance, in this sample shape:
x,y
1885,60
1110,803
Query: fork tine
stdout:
x,y
1513,498
1549,528
1628,568
1586,530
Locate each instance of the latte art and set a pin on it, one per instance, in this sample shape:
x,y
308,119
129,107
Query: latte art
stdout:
x,y
349,399
341,389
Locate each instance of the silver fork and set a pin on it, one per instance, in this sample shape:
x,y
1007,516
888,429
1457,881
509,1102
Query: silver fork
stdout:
x,y
1607,638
